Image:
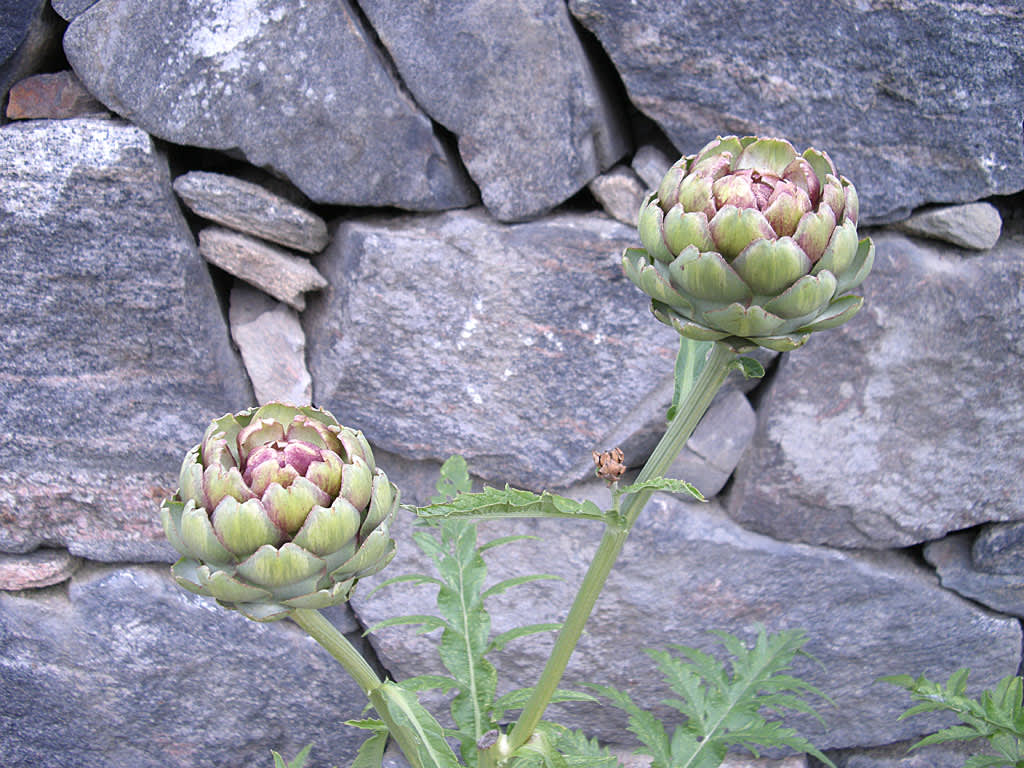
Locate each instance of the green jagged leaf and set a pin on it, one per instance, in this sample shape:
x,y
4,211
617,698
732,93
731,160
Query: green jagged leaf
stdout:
x,y
427,735
724,707
581,752
427,622
299,761
499,642
749,367
996,715
539,750
371,753
511,502
453,480
689,361
669,484
517,699
428,682
515,581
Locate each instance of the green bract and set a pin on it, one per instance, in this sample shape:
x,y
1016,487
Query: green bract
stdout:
x,y
749,243
279,507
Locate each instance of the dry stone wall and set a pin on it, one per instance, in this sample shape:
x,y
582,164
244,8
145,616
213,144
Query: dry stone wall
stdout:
x,y
412,215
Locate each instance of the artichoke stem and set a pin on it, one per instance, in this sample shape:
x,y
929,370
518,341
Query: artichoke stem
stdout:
x,y
335,643
693,406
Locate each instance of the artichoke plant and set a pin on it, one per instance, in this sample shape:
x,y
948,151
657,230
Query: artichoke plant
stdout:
x,y
751,244
279,507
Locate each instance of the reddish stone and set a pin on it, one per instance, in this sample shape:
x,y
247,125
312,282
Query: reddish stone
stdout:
x,y
41,568
58,95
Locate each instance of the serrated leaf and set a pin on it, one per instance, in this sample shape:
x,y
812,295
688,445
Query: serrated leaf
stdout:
x,y
371,751
429,683
642,724
517,699
453,480
503,540
427,735
515,581
511,502
670,484
540,747
299,761
500,641
987,761
413,578
428,622
749,367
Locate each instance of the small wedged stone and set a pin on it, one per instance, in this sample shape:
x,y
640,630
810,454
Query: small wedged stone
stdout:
x,y
951,556
56,96
620,193
273,346
651,165
282,274
999,548
251,209
68,9
41,568
976,225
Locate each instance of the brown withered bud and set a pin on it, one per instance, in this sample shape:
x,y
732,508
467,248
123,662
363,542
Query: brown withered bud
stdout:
x,y
610,464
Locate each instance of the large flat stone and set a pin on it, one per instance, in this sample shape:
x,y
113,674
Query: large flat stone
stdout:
x,y
520,346
298,89
916,103
123,669
687,570
534,120
117,354
905,423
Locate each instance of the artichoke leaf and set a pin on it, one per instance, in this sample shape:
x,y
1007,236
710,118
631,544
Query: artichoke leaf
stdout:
x,y
747,322
837,313
221,585
860,268
328,529
199,538
277,567
708,276
769,267
805,297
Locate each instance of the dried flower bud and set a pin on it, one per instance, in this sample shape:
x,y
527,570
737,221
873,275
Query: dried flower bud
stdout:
x,y
610,464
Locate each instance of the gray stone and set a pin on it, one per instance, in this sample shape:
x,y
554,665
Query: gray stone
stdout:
x,y
975,226
54,95
283,274
249,208
521,347
273,347
651,165
949,755
299,89
116,353
713,451
951,557
630,760
620,192
514,84
999,548
42,568
896,428
915,103
687,570
123,668
69,9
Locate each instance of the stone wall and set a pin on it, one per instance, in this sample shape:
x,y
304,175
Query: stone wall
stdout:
x,y
412,215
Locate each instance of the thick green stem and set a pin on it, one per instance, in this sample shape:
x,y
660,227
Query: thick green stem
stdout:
x,y
336,644
690,411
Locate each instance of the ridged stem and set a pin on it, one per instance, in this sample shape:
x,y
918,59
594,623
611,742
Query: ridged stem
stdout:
x,y
336,644
690,411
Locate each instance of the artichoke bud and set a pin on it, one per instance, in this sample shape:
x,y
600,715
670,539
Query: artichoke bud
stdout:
x,y
751,244
279,507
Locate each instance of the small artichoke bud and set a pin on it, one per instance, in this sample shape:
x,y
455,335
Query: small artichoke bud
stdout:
x,y
610,465
751,244
279,507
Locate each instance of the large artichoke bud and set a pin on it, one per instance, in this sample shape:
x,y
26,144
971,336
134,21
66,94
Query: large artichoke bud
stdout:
x,y
751,244
279,507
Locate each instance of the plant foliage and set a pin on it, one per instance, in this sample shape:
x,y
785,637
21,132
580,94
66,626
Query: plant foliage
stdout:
x,y
466,636
721,707
997,715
